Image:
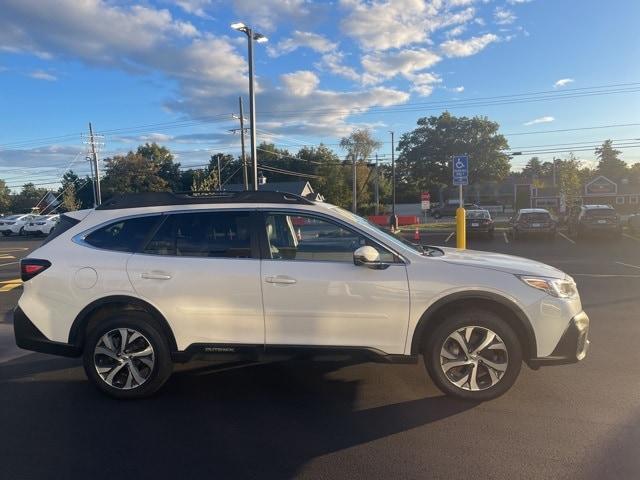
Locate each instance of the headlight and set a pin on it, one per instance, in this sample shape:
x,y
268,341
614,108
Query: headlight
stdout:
x,y
561,288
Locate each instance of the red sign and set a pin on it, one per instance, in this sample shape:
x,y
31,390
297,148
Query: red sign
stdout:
x,y
425,196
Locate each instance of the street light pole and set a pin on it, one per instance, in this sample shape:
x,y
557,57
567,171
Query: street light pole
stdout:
x,y
258,37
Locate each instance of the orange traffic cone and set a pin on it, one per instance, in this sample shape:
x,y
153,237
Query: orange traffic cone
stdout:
x,y
416,235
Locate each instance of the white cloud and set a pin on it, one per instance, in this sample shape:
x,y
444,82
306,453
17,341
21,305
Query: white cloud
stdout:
x,y
535,121
381,25
334,62
194,7
503,16
300,83
465,48
563,82
384,65
423,83
298,39
42,75
456,31
267,14
459,89
516,2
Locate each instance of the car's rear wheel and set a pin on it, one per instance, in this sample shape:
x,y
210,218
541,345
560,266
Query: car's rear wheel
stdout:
x,y
126,356
474,355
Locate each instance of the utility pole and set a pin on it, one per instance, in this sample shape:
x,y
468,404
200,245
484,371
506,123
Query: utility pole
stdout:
x,y
95,169
219,173
355,185
245,173
93,181
554,171
394,217
377,191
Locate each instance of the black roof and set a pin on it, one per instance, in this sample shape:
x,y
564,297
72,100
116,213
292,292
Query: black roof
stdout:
x,y
296,187
152,199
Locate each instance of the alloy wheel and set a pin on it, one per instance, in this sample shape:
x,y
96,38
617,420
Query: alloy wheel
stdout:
x,y
474,358
124,358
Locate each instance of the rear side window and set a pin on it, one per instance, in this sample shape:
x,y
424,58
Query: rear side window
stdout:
x,y
124,235
64,224
204,234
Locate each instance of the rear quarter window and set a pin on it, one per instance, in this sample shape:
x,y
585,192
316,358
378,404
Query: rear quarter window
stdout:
x,y
125,235
64,224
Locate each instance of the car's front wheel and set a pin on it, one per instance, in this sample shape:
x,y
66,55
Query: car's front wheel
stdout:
x,y
126,356
474,355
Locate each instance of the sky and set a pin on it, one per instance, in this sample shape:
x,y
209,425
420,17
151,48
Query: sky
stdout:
x,y
555,74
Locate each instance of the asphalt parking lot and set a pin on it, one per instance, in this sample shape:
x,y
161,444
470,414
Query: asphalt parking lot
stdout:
x,y
341,419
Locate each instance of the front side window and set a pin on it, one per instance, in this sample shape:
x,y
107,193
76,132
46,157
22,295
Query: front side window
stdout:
x,y
302,237
124,235
204,234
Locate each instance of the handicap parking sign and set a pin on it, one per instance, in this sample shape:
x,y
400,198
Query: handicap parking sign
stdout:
x,y
461,170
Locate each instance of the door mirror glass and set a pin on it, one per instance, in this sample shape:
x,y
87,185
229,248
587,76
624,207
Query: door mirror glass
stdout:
x,y
369,257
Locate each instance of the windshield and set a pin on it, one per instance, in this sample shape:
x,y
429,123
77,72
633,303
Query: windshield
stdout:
x,y
478,214
600,212
535,217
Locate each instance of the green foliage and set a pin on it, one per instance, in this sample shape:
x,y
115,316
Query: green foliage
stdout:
x,y
425,156
332,184
132,173
27,199
69,200
359,146
609,164
168,170
204,181
5,197
568,176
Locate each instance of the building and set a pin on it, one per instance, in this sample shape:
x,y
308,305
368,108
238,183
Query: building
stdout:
x,y
302,188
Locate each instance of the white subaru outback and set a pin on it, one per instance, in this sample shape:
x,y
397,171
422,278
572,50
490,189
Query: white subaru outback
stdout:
x,y
147,280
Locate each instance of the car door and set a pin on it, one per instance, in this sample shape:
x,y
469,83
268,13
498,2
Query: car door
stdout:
x,y
314,294
202,271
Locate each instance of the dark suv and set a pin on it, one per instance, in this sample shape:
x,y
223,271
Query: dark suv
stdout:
x,y
593,219
532,221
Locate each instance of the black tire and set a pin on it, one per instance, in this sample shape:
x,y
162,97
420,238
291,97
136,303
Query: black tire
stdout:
x,y
477,318
6,234
437,215
21,232
142,323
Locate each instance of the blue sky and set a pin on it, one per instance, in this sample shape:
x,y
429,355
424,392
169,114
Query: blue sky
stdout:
x,y
173,71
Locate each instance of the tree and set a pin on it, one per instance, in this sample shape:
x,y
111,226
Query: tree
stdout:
x,y
204,181
609,164
425,156
132,173
168,170
5,197
533,169
568,176
69,199
359,146
634,174
332,183
28,198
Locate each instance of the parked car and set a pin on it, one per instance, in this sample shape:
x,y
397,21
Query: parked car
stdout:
x,y
449,209
41,225
594,219
15,224
146,280
532,221
479,222
634,223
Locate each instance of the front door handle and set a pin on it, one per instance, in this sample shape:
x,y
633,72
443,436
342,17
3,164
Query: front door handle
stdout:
x,y
281,280
155,276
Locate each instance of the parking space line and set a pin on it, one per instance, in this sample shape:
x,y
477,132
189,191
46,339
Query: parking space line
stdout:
x,y
449,237
10,284
566,238
628,265
631,237
10,263
603,275
506,239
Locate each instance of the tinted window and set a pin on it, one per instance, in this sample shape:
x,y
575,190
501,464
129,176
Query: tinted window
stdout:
x,y
64,224
206,234
535,217
293,237
123,236
600,212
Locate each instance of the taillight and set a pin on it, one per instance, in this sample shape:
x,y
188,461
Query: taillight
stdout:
x,y
30,267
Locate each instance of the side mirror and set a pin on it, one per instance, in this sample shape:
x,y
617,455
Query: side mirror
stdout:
x,y
369,257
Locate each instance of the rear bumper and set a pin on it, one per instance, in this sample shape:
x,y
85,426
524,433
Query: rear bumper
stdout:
x,y
29,337
572,347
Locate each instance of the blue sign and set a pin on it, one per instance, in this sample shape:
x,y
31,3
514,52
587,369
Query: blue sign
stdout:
x,y
461,170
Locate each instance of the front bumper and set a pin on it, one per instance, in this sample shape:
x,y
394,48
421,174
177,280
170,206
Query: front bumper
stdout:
x,y
29,337
572,347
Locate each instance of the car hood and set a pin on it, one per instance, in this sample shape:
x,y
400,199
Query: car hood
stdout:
x,y
501,263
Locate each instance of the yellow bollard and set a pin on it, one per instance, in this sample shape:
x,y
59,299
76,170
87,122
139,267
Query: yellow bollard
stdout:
x,y
461,229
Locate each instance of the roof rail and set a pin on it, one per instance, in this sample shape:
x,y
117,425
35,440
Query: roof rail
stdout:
x,y
153,199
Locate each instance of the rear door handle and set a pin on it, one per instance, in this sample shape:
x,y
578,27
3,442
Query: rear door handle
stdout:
x,y
155,276
281,280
